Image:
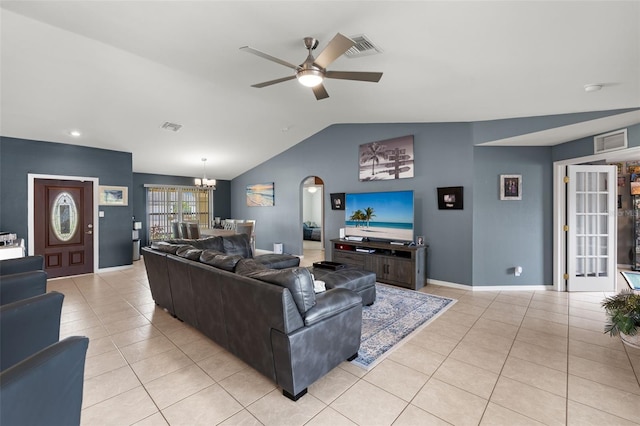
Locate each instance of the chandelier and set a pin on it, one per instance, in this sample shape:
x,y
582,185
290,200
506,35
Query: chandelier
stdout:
x,y
204,182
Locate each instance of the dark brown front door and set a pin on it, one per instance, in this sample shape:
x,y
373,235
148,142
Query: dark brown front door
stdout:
x,y
63,212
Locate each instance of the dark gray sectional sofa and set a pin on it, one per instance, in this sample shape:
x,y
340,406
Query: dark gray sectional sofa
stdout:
x,y
270,318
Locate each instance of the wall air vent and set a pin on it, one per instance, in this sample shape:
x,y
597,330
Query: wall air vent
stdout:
x,y
171,126
611,141
363,47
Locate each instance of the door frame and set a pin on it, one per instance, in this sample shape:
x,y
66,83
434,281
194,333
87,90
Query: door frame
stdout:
x,y
31,177
560,210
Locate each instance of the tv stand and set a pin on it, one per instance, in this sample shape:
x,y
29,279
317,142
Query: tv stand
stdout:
x,y
401,265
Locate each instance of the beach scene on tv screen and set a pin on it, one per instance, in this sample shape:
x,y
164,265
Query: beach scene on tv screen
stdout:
x,y
380,215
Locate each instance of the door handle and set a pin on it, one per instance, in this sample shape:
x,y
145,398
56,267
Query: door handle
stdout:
x,y
89,232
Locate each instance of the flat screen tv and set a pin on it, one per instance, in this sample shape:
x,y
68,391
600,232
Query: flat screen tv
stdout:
x,y
385,216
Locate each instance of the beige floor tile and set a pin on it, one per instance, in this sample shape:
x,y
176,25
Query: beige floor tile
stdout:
x,y
604,398
480,357
600,354
125,409
468,308
78,315
606,374
332,385
468,377
247,386
77,327
583,415
588,314
458,317
201,348
103,363
366,404
595,338
508,317
100,346
435,342
450,403
184,335
330,417
513,299
119,321
210,406
540,355
545,326
560,318
491,341
107,385
412,416
417,358
456,331
587,324
241,418
159,365
276,409
129,337
536,375
496,327
527,401
180,384
351,368
96,332
543,339
402,381
543,305
156,419
146,349
221,365
496,415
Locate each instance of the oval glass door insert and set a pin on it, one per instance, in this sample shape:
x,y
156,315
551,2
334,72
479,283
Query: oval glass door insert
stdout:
x,y
64,217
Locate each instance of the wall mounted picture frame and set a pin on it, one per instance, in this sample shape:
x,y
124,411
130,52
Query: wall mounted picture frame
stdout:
x,y
450,198
260,195
337,201
386,159
113,195
511,187
420,240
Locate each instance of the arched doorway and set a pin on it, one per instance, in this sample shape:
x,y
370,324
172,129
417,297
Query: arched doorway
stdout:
x,y
312,196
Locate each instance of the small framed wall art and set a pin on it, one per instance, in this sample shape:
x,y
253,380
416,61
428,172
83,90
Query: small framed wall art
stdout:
x,y
113,195
337,201
450,198
511,187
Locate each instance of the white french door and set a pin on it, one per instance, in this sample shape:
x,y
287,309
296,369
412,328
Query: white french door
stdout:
x,y
591,238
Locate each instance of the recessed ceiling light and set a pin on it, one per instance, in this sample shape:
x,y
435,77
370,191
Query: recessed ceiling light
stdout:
x,y
592,87
75,133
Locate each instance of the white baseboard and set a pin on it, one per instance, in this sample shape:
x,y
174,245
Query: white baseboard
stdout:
x,y
493,287
114,268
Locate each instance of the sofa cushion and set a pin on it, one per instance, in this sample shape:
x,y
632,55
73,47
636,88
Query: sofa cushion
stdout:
x,y
248,266
237,244
167,247
278,261
213,243
189,252
297,280
222,261
207,255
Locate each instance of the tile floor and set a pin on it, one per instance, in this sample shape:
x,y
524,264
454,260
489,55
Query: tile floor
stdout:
x,y
494,358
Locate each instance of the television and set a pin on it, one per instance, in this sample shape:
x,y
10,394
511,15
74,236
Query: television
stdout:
x,y
384,216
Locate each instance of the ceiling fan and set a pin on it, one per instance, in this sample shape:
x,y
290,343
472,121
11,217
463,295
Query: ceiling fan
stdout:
x,y
313,71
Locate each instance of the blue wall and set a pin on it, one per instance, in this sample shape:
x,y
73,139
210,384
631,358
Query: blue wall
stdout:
x,y
584,147
19,157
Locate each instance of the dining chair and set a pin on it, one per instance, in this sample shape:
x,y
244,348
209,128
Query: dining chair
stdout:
x,y
194,231
247,228
184,230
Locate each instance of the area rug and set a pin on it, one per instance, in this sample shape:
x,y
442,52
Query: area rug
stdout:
x,y
395,315
633,279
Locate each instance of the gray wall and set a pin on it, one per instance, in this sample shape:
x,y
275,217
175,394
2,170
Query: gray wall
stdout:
x,y
221,204
443,155
513,233
18,157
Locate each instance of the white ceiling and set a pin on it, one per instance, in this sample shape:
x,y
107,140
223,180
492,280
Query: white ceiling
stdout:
x,y
117,70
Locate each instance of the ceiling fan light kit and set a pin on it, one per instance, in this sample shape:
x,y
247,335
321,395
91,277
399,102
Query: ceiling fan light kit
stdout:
x,y
312,72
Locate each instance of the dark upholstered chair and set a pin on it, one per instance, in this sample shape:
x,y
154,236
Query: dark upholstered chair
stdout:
x,y
175,230
28,326
184,230
194,231
22,285
45,388
21,264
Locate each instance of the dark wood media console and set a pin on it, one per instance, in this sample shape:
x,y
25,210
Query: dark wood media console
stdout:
x,y
401,265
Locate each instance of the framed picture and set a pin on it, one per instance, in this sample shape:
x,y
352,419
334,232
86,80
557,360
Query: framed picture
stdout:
x,y
511,187
260,195
635,183
450,198
387,159
337,201
420,240
113,195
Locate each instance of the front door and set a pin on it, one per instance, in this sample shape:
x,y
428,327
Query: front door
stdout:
x,y
63,212
591,217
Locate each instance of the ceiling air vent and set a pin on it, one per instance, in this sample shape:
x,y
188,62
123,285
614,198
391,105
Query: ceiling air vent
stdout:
x,y
171,126
363,47
611,141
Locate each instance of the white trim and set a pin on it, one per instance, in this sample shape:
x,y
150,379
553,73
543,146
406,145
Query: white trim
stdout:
x,y
448,284
31,214
491,287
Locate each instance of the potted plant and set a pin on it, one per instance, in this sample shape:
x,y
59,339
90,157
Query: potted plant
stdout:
x,y
623,314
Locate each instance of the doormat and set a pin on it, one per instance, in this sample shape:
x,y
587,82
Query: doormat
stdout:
x,y
396,314
633,279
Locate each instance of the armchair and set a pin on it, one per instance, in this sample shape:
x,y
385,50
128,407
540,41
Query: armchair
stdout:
x,y
21,264
14,287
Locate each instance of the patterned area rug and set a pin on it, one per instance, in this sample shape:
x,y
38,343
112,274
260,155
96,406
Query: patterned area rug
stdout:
x,y
633,279
396,314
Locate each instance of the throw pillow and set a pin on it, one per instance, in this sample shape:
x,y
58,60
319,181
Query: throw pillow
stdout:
x,y
247,266
297,280
238,244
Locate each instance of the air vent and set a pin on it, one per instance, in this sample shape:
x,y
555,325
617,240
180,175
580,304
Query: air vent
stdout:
x,y
171,126
363,47
611,141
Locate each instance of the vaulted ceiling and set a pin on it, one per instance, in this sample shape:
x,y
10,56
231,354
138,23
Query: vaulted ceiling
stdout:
x,y
117,70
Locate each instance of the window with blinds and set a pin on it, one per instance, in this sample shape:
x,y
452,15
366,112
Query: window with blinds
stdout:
x,y
167,204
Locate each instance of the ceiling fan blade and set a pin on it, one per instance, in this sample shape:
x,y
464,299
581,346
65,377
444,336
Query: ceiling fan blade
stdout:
x,y
269,57
270,82
320,92
355,75
336,47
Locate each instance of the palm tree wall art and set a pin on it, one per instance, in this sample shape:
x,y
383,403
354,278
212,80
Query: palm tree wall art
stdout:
x,y
387,159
